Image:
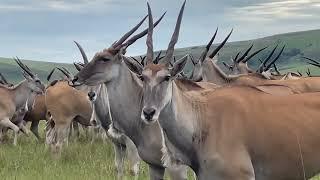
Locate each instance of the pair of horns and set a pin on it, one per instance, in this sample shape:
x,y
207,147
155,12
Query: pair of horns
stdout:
x,y
173,41
264,66
245,58
65,71
313,62
3,79
215,51
120,43
24,67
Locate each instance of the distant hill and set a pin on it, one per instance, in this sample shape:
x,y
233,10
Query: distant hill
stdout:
x,y
304,43
10,69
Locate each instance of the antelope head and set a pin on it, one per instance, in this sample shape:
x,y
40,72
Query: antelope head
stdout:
x,y
33,82
157,79
198,65
241,63
105,65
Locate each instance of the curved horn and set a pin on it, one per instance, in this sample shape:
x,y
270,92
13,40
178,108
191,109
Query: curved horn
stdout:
x,y
83,54
221,45
244,54
3,79
157,58
275,59
24,67
135,59
77,66
311,60
140,35
128,34
235,59
276,69
205,52
64,72
253,54
175,35
192,59
50,74
263,64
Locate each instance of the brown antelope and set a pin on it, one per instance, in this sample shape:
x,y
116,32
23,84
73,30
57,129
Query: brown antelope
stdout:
x,y
108,67
64,104
36,114
15,98
258,136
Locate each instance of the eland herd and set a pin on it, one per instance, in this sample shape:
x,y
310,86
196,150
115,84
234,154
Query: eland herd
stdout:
x,y
243,124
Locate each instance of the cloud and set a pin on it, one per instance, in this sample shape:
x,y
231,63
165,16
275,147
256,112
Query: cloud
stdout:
x,y
45,29
276,11
61,5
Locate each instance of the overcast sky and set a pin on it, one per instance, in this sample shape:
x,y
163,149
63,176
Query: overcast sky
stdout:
x,y
45,29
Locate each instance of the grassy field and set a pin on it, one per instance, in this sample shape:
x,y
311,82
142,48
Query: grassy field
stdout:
x,y
81,160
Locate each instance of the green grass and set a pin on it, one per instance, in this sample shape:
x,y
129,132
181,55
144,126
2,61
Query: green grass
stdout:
x,y
81,160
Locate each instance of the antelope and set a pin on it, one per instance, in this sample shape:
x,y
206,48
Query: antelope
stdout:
x,y
17,118
121,143
100,115
15,98
36,113
108,67
244,141
64,104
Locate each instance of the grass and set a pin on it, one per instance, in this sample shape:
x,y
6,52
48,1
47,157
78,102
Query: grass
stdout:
x,y
81,160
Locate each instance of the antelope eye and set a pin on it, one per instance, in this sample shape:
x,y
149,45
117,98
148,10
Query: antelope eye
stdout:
x,y
105,59
167,78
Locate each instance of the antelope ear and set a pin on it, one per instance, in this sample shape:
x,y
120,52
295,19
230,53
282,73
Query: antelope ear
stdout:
x,y
178,66
133,65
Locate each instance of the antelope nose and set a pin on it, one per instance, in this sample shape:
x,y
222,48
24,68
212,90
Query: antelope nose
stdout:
x,y
148,113
91,95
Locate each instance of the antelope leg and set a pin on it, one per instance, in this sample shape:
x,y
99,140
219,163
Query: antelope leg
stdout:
x,y
7,123
120,153
133,156
34,128
156,172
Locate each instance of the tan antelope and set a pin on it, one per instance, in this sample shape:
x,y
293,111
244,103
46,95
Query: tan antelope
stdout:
x,y
17,117
258,136
15,98
108,67
64,104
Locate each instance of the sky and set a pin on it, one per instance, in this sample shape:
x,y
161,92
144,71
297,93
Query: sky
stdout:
x,y
45,29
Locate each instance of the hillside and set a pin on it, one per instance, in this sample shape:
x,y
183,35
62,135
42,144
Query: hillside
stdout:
x,y
10,69
304,43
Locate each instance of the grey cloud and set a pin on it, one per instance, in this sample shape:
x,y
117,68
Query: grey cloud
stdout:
x,y
45,29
